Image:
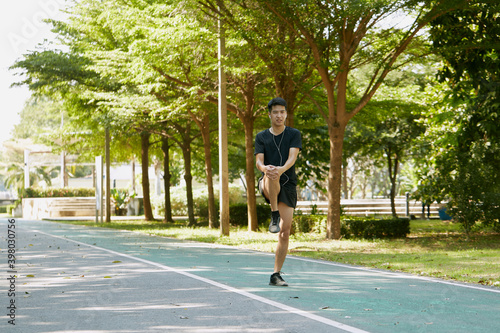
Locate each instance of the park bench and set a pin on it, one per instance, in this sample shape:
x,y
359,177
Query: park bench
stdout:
x,y
372,207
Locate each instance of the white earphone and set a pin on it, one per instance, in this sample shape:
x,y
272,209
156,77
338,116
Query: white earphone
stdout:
x,y
278,147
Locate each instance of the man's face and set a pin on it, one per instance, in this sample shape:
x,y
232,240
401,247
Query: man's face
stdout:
x,y
278,115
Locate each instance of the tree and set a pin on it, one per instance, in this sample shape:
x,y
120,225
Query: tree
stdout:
x,y
117,55
287,59
312,162
189,47
175,84
69,76
468,160
184,138
347,35
39,117
203,121
387,133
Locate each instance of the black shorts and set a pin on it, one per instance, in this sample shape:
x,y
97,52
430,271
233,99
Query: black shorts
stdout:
x,y
287,195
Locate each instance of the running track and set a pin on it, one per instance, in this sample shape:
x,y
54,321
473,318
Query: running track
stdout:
x,y
81,279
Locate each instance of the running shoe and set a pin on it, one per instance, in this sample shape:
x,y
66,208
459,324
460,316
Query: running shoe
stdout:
x,y
277,280
274,226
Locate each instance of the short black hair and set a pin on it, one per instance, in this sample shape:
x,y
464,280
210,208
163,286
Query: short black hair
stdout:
x,y
276,101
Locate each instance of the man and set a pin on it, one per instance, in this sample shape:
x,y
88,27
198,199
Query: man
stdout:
x,y
276,151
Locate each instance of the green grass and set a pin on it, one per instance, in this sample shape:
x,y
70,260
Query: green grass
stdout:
x,y
434,248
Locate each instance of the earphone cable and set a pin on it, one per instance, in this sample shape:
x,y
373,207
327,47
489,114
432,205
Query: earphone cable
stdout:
x,y
279,152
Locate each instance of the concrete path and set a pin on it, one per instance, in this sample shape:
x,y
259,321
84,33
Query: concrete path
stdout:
x,y
81,279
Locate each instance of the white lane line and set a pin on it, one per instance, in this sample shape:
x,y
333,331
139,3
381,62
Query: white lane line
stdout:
x,y
278,305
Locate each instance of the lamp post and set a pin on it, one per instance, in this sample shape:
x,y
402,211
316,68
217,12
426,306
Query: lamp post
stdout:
x,y
223,152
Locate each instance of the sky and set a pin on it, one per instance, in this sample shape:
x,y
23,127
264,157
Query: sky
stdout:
x,y
22,29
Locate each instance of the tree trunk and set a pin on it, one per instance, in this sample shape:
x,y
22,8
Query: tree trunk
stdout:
x,y
166,179
188,177
393,172
148,213
253,223
247,118
337,122
290,96
335,181
205,132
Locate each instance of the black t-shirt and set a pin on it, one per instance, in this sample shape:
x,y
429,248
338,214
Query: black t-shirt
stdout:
x,y
276,149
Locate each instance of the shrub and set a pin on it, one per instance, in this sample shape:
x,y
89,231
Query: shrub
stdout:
x,y
238,214
353,227
10,209
370,228
200,199
263,214
177,201
55,192
308,223
52,192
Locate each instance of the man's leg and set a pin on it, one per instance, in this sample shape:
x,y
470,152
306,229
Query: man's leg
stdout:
x,y
271,189
286,214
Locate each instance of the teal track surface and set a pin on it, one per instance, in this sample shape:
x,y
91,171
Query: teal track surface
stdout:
x,y
82,279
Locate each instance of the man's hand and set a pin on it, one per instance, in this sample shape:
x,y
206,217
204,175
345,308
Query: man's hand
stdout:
x,y
272,172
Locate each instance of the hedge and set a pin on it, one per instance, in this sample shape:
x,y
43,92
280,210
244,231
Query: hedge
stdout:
x,y
56,192
308,223
351,227
354,227
238,214
372,228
